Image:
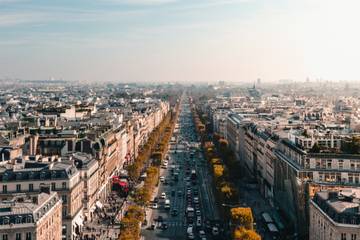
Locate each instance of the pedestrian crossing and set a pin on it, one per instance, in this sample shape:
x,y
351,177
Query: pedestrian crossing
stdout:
x,y
173,224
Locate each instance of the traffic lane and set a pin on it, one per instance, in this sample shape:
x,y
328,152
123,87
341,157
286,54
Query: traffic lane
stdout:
x,y
176,226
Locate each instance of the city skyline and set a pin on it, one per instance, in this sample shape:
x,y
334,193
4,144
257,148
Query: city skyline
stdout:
x,y
179,41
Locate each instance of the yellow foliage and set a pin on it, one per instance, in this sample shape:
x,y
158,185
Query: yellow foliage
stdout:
x,y
218,170
242,217
215,161
244,234
226,190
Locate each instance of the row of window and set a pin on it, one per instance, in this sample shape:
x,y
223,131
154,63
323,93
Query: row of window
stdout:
x,y
31,187
18,236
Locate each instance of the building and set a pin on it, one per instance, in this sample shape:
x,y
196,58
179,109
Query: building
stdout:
x,y
26,176
335,215
31,217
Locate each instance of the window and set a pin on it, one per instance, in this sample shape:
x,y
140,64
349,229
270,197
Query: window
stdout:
x,y
31,187
341,164
353,236
18,236
18,220
53,186
18,187
28,236
64,198
343,236
5,237
4,188
64,212
6,220
64,185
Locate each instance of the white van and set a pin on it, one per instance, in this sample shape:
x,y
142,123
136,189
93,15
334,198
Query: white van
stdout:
x,y
167,204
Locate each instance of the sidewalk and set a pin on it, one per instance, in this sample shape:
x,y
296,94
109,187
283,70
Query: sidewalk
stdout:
x,y
251,197
149,211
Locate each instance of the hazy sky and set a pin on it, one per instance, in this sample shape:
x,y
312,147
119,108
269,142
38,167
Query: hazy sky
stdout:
x,y
180,40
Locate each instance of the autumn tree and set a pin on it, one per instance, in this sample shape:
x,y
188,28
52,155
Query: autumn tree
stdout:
x,y
218,170
244,234
242,217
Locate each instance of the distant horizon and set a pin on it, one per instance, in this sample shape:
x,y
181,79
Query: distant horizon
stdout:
x,y
179,40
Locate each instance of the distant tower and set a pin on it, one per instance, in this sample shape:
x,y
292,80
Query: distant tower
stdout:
x,y
258,81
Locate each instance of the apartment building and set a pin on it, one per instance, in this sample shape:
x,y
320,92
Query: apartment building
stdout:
x,y
26,176
334,215
89,173
31,217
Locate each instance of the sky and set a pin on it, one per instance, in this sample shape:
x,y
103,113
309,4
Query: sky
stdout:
x,y
180,40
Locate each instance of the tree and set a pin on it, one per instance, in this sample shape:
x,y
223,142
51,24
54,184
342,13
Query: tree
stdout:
x,y
215,161
223,148
218,170
242,217
244,234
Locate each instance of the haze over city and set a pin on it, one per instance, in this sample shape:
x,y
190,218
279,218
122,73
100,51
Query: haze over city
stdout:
x,y
179,40
179,120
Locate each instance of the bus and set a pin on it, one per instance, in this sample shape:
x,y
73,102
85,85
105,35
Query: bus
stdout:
x,y
121,185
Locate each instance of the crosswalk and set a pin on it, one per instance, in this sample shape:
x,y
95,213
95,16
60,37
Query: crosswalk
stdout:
x,y
173,224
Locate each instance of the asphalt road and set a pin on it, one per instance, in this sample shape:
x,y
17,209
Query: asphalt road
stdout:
x,y
183,163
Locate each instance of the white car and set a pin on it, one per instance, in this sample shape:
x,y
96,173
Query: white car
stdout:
x,y
215,231
202,234
198,222
162,179
154,206
163,195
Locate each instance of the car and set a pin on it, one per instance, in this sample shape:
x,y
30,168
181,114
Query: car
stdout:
x,y
202,234
174,212
163,195
152,226
164,226
173,193
191,236
154,205
159,219
196,200
162,179
196,192
166,182
215,231
198,222
198,213
179,193
156,199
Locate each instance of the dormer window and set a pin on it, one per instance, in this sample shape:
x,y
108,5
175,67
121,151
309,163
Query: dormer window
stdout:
x,y
18,219
6,220
29,219
6,176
